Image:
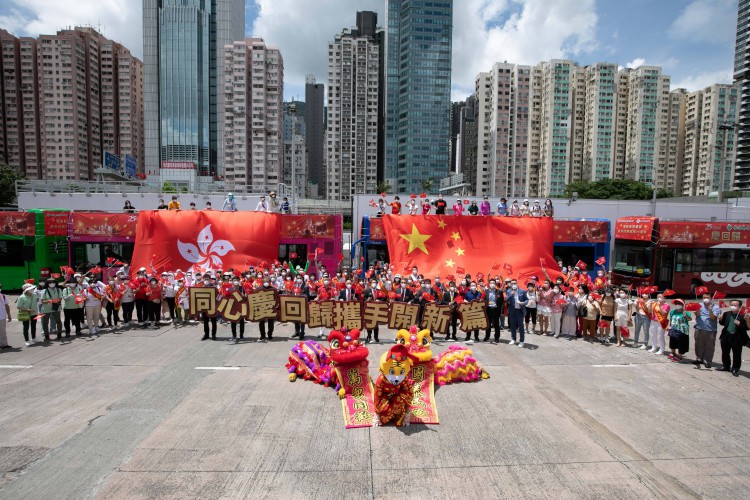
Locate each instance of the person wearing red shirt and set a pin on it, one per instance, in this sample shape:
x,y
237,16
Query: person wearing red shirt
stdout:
x,y
395,206
154,293
140,288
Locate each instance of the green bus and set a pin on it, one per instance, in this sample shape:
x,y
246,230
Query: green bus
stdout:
x,y
33,245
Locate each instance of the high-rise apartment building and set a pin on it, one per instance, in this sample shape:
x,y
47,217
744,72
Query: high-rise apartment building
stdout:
x,y
183,50
295,151
503,101
315,133
352,125
558,103
418,91
710,140
600,122
82,93
468,139
253,116
742,80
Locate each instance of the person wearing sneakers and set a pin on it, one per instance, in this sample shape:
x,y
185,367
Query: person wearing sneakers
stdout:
x,y
622,315
706,326
28,308
93,293
516,300
734,335
642,317
679,327
659,324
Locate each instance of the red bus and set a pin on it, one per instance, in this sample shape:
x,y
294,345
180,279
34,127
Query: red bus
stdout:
x,y
681,255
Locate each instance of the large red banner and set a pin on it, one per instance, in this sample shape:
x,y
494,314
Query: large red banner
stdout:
x,y
377,232
177,239
308,226
56,223
438,245
17,223
103,227
580,231
706,234
635,228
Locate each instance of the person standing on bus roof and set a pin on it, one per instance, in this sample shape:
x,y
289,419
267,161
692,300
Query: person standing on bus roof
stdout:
x,y
706,326
502,207
485,208
230,204
128,208
440,205
395,206
174,204
162,205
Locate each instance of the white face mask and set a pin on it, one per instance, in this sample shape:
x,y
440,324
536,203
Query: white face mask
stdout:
x,y
644,296
492,285
678,308
556,290
706,301
453,289
236,283
514,287
52,285
473,289
111,282
734,309
660,299
622,295
266,284
348,286
207,282
326,283
427,287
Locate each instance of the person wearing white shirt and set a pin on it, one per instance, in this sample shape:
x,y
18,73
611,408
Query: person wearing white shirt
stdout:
x,y
262,205
230,204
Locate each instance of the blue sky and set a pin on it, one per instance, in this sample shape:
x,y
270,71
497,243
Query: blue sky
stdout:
x,y
693,40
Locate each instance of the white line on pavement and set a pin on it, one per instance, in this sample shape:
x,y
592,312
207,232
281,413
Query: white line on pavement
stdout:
x,y
217,367
613,366
15,367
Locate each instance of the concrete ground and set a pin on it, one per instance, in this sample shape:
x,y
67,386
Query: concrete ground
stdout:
x,y
129,415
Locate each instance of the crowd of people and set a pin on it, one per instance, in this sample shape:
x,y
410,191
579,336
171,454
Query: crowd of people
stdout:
x,y
571,305
422,205
270,205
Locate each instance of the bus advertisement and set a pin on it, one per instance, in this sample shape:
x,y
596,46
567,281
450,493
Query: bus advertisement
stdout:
x,y
682,255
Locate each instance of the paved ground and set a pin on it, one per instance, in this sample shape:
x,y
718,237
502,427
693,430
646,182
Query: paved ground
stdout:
x,y
128,415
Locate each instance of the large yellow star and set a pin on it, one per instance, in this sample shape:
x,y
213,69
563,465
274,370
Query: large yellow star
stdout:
x,y
416,240
460,251
456,236
450,263
441,224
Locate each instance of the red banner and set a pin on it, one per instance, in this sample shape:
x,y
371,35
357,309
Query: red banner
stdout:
x,y
103,227
17,223
440,245
308,226
575,231
377,232
635,228
191,239
705,234
56,223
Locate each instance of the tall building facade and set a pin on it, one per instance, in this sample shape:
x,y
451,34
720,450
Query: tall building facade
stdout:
x,y
742,80
352,125
315,133
295,175
183,50
710,140
253,116
600,122
503,101
82,93
418,90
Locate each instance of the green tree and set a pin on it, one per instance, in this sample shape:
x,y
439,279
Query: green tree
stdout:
x,y
8,177
384,187
664,193
608,189
427,184
168,188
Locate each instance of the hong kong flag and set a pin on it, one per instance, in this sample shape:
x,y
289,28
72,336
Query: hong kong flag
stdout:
x,y
191,239
478,244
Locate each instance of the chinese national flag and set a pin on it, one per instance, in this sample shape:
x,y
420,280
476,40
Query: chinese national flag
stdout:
x,y
185,239
477,243
720,295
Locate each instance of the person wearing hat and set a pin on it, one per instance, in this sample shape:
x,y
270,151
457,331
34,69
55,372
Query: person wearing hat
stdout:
x,y
230,204
536,210
485,208
502,207
274,206
262,205
473,208
679,327
525,210
51,298
28,308
458,208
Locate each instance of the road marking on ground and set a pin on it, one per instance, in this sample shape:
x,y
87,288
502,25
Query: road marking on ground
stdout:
x,y
217,367
614,366
16,367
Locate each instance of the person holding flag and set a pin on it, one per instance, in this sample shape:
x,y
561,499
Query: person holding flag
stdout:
x,y
73,306
28,308
706,327
94,294
127,300
51,298
734,335
659,323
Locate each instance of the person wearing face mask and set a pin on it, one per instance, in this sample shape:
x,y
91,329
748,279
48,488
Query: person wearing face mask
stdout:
x,y
266,326
373,293
113,294
515,210
525,210
549,210
169,289
154,295
140,288
531,307
449,298
458,208
659,324
734,335
28,308
679,328
473,208
72,307
51,299
347,293
204,317
237,287
516,300
472,294
326,291
608,307
494,300
590,310
485,208
622,315
300,289
642,317
556,309
536,210
182,302
569,315
706,327
600,282
128,301
544,308
94,294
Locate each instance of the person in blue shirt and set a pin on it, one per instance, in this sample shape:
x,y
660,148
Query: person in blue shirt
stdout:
x,y
706,326
516,300
502,207
471,295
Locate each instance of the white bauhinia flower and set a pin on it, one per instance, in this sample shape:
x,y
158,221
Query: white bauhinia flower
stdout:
x,y
208,253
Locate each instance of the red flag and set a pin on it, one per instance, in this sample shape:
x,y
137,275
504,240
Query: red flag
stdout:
x,y
110,260
669,293
208,239
412,196
466,202
29,281
720,295
180,275
461,271
625,332
56,276
480,276
723,304
700,290
601,261
373,204
495,267
692,306
581,265
382,194
561,302
423,195
542,261
293,255
310,256
508,268
38,316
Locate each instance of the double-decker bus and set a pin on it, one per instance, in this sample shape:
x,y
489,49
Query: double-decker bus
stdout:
x,y
681,255
575,239
32,245
305,234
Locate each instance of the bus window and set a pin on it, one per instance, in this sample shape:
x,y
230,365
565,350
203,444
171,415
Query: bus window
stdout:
x,y
633,259
569,255
299,248
11,253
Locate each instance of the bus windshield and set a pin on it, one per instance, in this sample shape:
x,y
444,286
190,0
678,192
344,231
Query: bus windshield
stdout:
x,y
633,258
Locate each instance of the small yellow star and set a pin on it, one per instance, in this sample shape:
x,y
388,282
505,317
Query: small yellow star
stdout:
x,y
460,251
416,240
441,224
450,263
456,236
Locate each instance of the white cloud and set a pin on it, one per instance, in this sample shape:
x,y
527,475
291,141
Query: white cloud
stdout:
x,y
703,80
119,20
706,21
636,63
518,31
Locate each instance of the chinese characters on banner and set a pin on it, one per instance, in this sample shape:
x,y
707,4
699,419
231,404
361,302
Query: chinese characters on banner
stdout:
x,y
635,228
56,223
268,304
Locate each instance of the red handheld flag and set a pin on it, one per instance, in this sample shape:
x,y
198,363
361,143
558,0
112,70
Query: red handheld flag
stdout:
x,y
581,265
693,306
542,261
423,195
110,260
700,290
561,302
720,295
669,293
382,194
601,261
30,281
293,255
310,256
412,196
495,267
723,304
373,204
460,271
56,276
624,332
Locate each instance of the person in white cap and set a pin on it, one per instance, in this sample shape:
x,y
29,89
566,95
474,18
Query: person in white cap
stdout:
x,y
28,308
536,210
230,204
